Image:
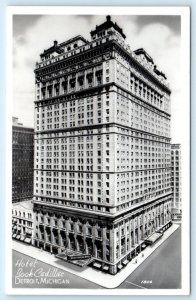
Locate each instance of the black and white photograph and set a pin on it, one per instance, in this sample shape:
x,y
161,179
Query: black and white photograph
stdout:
x,y
99,170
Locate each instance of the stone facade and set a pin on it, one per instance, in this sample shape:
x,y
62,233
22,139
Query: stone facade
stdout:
x,y
102,148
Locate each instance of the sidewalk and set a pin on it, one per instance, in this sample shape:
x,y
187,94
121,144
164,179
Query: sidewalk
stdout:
x,y
96,276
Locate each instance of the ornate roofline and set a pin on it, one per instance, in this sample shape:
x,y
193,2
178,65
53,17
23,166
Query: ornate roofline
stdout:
x,y
108,24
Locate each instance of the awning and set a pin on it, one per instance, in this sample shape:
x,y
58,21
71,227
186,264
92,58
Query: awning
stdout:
x,y
18,236
143,246
97,265
153,238
27,240
78,262
159,231
62,255
22,238
14,235
106,268
120,267
125,262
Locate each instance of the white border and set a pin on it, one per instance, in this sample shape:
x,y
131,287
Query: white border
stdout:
x,y
185,61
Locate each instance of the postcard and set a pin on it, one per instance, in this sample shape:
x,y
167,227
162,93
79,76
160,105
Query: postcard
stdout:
x,y
98,151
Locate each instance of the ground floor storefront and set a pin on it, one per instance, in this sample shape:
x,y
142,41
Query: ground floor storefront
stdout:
x,y
111,244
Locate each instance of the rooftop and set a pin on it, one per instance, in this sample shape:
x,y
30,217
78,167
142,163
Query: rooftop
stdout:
x,y
76,38
19,126
149,58
138,54
175,146
108,24
15,122
54,48
58,48
28,205
142,51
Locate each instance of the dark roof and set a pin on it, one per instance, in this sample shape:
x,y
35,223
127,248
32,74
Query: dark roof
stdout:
x,y
78,37
149,58
108,24
58,47
142,51
176,145
159,73
54,48
22,128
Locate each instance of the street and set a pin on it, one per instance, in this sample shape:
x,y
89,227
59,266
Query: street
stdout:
x,y
161,270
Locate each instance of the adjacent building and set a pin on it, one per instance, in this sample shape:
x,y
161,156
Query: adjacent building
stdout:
x,y
22,221
102,160
22,161
176,181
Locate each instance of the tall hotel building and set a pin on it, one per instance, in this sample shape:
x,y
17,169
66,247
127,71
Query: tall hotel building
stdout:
x,y
102,148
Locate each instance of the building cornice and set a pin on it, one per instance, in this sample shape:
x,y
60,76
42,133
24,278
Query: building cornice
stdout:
x,y
104,47
37,205
135,63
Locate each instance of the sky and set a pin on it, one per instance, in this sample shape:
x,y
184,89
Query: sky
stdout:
x,y
160,36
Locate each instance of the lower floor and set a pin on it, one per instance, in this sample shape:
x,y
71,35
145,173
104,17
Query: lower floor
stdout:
x,y
165,253
111,243
22,232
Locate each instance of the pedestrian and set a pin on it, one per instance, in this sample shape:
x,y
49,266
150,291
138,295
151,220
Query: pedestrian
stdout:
x,y
136,261
142,254
51,251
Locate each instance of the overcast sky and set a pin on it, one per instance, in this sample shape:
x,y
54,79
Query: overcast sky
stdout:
x,y
158,35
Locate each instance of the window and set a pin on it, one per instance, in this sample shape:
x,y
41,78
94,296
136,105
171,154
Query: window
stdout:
x,y
89,231
99,233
